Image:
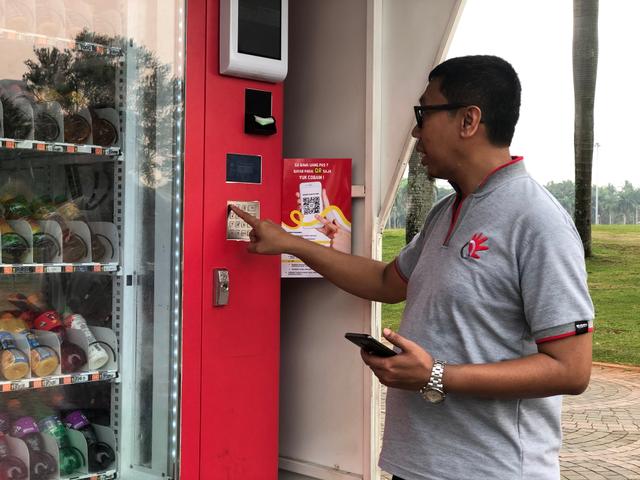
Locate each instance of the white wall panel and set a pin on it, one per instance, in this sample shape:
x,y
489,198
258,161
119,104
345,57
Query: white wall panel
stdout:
x,y
414,37
356,68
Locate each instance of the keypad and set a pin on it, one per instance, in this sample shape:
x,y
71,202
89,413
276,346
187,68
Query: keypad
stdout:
x,y
238,229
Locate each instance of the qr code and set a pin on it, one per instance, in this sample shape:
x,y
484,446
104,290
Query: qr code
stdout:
x,y
310,205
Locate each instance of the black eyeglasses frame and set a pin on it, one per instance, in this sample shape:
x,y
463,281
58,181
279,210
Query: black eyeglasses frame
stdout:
x,y
420,110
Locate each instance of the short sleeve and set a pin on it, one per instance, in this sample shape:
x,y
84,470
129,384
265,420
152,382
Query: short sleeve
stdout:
x,y
408,257
553,282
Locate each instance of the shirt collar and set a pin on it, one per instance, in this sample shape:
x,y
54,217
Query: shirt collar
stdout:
x,y
511,169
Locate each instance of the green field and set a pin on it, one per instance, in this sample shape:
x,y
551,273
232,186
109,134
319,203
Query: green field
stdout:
x,y
614,283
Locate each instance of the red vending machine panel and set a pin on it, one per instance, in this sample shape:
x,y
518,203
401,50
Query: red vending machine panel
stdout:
x,y
241,162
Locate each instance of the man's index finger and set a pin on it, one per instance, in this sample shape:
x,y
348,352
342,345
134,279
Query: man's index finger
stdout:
x,y
247,217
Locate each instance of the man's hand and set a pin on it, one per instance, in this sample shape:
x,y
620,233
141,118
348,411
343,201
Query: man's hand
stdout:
x,y
266,237
360,276
340,238
409,370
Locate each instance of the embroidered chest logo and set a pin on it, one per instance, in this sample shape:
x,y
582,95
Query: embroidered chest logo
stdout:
x,y
473,247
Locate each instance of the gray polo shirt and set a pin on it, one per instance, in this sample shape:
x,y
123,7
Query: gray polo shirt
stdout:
x,y
488,278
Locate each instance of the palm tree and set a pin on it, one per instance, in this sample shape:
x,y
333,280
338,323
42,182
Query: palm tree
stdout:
x,y
421,195
585,65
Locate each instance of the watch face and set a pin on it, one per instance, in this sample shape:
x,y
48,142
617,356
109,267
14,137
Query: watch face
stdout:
x,y
434,396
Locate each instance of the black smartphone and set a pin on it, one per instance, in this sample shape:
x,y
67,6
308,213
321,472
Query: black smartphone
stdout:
x,y
370,344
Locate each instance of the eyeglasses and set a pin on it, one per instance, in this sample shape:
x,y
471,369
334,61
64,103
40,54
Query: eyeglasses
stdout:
x,y
421,109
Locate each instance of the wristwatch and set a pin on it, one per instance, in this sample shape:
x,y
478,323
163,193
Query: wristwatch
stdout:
x,y
433,391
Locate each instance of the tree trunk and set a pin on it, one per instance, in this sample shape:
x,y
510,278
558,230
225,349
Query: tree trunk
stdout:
x,y
421,195
585,65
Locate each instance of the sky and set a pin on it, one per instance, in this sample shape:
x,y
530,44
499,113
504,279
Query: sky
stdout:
x,y
536,37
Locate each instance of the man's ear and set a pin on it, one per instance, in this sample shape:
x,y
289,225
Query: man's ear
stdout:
x,y
470,121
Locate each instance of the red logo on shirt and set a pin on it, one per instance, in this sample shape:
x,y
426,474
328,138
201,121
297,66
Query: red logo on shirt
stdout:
x,y
472,248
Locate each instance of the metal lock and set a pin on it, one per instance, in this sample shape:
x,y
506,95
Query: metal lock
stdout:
x,y
220,287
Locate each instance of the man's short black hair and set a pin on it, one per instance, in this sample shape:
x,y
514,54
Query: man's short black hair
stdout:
x,y
489,82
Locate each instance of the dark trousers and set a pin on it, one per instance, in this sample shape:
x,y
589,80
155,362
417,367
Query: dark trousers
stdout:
x,y
396,478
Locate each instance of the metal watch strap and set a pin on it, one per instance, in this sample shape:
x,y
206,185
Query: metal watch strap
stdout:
x,y
437,372
433,391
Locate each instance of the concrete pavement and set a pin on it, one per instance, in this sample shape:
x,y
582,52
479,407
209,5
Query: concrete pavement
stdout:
x,y
602,427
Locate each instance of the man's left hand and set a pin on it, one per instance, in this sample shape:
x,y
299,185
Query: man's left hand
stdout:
x,y
409,370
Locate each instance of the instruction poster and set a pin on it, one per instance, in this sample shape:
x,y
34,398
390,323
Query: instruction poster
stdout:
x,y
316,205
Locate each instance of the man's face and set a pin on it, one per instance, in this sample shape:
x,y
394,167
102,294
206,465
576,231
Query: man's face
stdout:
x,y
437,134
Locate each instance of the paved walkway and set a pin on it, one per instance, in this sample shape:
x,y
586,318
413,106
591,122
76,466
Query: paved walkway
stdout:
x,y
601,427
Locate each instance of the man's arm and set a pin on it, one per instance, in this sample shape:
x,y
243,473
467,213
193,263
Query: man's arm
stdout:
x,y
560,367
360,276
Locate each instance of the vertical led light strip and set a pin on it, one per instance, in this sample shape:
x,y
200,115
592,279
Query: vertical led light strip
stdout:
x,y
177,245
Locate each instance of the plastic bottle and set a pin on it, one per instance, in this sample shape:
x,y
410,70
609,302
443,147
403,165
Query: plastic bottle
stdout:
x,y
37,314
44,360
11,467
101,455
42,465
14,363
72,356
71,459
97,355
5,423
49,321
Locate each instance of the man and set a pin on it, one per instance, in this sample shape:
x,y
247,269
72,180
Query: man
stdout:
x,y
495,285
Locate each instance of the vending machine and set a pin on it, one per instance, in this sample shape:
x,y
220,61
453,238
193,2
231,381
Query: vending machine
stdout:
x,y
91,158
138,338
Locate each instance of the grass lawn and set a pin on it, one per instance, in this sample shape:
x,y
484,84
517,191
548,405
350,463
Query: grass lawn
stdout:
x,y
614,283
392,243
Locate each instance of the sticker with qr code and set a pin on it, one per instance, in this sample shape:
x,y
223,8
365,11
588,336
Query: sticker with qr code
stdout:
x,y
310,205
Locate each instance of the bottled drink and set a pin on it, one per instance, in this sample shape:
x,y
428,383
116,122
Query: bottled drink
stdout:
x,y
101,455
11,467
14,246
49,321
5,423
44,360
41,464
14,363
70,457
97,355
37,314
72,357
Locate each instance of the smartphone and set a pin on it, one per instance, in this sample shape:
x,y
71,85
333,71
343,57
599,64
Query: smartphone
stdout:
x,y
370,344
310,200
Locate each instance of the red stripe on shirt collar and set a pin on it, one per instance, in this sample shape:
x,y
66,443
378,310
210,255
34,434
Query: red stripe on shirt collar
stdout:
x,y
513,160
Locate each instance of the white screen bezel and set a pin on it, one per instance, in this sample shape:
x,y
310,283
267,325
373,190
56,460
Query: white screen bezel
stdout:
x,y
244,65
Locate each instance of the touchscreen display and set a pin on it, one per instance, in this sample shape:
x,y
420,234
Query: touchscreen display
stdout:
x,y
259,25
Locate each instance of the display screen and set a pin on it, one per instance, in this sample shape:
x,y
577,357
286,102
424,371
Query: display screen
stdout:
x,y
244,168
259,26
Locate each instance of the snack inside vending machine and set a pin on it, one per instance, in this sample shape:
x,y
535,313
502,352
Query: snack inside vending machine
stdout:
x,y
91,142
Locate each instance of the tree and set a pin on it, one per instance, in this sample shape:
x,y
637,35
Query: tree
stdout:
x,y
78,78
608,202
626,202
421,192
398,215
585,65
564,192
